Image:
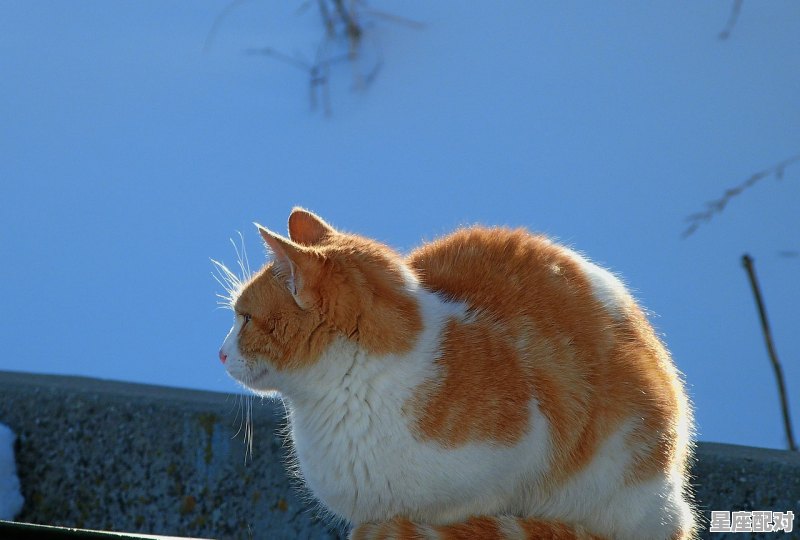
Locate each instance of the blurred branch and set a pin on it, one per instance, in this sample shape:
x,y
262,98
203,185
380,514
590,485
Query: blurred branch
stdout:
x,y
318,74
283,57
733,18
352,28
344,22
747,262
327,20
718,205
404,21
218,20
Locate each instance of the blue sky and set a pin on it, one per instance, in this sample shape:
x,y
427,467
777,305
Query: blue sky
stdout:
x,y
129,157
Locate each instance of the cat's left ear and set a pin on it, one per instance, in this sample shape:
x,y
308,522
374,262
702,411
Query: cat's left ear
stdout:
x,y
307,228
291,259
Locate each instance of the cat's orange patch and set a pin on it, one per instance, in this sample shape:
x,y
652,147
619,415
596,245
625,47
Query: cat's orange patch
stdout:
x,y
550,338
279,330
406,530
487,401
682,535
347,285
535,529
481,527
476,527
396,529
372,304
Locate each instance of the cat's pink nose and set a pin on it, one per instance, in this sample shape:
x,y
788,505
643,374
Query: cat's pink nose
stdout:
x,y
222,356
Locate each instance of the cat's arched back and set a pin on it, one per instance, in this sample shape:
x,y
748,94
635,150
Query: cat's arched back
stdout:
x,y
577,339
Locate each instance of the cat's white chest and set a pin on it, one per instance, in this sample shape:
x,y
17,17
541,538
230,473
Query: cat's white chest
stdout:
x,y
355,447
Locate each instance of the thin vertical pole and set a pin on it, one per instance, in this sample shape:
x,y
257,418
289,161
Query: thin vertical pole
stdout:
x,y
747,262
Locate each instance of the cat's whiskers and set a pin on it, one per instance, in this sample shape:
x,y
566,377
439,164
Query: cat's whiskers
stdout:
x,y
246,403
239,409
232,285
230,282
249,425
241,258
244,414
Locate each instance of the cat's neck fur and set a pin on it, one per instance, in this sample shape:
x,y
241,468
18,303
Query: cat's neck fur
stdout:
x,y
347,370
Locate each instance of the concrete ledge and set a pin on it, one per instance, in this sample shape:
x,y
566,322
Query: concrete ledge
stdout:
x,y
127,457
30,531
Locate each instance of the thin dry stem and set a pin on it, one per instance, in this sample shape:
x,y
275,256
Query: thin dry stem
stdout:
x,y
718,205
733,18
747,262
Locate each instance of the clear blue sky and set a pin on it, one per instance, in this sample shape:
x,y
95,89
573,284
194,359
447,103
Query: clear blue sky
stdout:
x,y
128,158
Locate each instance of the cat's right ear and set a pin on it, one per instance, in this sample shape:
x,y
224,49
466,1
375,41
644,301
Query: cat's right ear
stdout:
x,y
307,228
291,260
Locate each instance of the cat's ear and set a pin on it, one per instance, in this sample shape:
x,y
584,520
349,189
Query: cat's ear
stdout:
x,y
307,228
291,260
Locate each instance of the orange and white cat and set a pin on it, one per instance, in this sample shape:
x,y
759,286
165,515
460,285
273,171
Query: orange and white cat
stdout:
x,y
492,384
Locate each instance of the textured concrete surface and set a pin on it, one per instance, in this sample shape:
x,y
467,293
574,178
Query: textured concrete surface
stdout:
x,y
126,457
737,478
115,456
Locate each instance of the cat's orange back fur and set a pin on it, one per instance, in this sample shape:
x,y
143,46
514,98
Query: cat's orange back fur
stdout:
x,y
538,329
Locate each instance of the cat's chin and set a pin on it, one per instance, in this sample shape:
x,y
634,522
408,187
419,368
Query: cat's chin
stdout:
x,y
255,380
262,382
267,394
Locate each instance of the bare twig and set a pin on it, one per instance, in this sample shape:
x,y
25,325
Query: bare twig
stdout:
x,y
327,21
718,205
218,20
283,57
320,76
373,73
345,22
733,18
352,27
747,262
397,19
318,73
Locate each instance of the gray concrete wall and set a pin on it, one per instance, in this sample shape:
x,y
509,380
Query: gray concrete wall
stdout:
x,y
128,457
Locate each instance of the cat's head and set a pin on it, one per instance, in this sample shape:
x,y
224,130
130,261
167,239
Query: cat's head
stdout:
x,y
322,286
